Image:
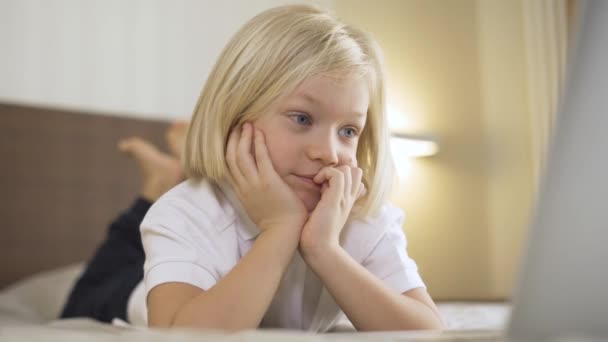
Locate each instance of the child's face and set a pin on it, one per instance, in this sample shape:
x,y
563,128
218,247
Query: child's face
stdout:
x,y
317,125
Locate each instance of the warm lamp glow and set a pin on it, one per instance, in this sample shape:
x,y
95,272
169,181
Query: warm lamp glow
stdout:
x,y
397,121
412,146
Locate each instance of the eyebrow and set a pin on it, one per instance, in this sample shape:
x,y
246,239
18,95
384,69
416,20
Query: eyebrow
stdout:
x,y
311,99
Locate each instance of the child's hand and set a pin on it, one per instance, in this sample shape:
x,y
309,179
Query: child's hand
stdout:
x,y
269,201
341,188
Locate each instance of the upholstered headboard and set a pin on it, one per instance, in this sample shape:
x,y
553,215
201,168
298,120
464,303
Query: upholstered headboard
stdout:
x,y
62,181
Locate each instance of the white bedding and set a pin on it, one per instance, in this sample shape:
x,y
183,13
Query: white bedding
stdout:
x,y
28,311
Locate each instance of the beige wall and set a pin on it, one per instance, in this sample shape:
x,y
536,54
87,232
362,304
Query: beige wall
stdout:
x,y
507,129
455,70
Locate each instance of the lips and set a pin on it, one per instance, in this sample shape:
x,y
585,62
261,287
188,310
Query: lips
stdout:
x,y
308,181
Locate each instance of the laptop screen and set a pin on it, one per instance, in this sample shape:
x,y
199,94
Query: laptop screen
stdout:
x,y
563,284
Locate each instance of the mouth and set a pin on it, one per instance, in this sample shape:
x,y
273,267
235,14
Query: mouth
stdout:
x,y
307,180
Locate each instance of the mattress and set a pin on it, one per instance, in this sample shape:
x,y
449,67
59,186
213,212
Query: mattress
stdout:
x,y
28,311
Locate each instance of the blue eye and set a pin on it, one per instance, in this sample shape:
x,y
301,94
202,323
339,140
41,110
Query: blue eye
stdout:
x,y
349,132
301,119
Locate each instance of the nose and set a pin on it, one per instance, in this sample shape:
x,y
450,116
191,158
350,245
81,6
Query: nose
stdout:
x,y
324,149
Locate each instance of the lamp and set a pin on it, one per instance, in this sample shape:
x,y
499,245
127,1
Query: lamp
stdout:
x,y
412,146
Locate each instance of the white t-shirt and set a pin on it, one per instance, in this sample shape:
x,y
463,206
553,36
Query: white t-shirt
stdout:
x,y
197,232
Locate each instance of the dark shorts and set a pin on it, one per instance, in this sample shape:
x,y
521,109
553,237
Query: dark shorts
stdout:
x,y
103,290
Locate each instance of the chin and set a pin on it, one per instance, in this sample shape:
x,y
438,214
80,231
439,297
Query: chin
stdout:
x,y
310,200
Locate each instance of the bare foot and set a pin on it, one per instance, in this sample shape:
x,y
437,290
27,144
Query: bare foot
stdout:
x,y
160,171
176,137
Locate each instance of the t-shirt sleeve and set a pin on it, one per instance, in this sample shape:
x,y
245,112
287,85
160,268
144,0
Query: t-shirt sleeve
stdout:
x,y
389,260
175,247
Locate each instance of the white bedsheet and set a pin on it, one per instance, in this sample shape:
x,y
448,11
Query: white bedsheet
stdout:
x,y
28,312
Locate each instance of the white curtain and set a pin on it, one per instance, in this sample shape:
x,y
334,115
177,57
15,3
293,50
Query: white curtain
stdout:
x,y
126,57
546,31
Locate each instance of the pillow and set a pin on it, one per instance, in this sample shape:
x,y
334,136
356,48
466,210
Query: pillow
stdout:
x,y
40,297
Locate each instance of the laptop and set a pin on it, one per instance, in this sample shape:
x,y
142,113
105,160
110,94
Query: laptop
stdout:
x,y
562,289
563,284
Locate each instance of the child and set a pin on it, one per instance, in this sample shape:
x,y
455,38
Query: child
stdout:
x,y
283,221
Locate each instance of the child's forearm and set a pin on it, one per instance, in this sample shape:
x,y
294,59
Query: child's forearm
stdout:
x,y
366,301
240,299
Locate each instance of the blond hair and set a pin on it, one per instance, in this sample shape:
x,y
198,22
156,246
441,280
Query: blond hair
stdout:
x,y
270,55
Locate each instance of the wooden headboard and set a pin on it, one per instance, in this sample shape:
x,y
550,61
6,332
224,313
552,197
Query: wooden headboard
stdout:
x,y
62,181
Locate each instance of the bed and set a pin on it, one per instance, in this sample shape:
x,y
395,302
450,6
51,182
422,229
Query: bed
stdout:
x,y
63,182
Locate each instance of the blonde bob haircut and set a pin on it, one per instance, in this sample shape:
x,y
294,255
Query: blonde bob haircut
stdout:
x,y
272,54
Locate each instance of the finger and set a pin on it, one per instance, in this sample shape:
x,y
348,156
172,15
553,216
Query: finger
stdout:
x,y
244,158
357,175
324,187
262,156
321,176
352,162
362,191
231,157
348,181
333,177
